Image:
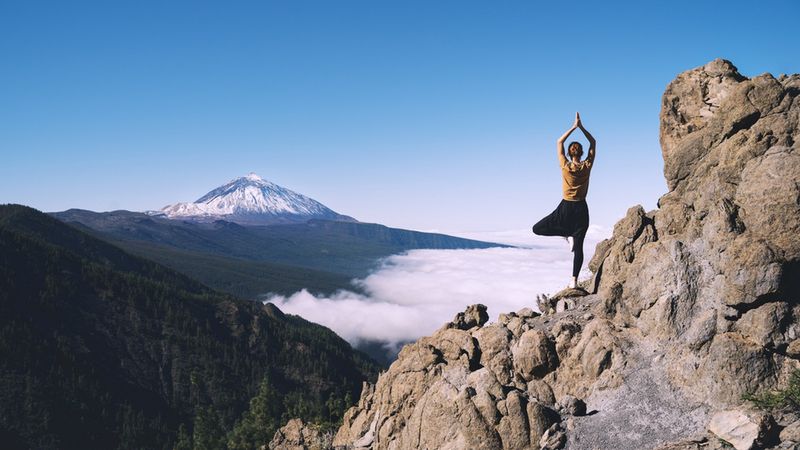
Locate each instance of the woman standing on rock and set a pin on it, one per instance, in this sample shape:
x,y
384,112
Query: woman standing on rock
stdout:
x,y
571,217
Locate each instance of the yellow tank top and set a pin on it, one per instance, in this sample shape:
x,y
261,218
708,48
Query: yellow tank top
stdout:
x,y
575,179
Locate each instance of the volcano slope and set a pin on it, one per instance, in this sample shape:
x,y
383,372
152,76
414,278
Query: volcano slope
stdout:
x,y
695,305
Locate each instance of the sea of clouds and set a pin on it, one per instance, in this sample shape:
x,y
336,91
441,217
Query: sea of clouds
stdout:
x,y
414,293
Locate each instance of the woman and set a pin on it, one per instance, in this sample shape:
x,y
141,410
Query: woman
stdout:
x,y
571,217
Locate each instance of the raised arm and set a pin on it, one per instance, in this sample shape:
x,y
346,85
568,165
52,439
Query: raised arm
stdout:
x,y
562,159
592,142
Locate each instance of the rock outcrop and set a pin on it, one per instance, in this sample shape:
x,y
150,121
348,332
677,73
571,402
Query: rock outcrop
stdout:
x,y
694,305
297,435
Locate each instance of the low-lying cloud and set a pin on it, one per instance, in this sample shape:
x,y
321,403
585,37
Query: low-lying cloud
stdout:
x,y
414,293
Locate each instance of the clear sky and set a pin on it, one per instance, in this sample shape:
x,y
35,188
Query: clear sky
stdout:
x,y
419,114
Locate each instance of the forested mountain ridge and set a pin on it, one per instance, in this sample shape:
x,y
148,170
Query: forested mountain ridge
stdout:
x,y
101,349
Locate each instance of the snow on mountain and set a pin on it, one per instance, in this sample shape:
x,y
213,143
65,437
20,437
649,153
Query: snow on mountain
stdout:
x,y
252,200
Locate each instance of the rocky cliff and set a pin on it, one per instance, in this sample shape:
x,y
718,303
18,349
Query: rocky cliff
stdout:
x,y
694,305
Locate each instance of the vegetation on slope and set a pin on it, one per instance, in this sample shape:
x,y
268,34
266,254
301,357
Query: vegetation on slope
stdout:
x,y
101,349
787,397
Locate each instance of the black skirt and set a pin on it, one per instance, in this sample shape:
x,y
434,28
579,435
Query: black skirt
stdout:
x,y
568,219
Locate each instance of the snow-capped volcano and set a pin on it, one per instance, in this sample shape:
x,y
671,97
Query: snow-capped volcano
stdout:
x,y
252,200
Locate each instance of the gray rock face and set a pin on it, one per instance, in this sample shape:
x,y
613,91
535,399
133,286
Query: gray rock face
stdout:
x,y
717,273
694,305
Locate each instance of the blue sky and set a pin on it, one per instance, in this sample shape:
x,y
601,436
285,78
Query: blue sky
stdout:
x,y
419,114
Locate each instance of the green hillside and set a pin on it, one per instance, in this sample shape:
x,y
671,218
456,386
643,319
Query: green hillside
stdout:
x,y
241,277
102,349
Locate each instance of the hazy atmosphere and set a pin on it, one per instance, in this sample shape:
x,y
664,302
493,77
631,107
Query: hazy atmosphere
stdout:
x,y
423,115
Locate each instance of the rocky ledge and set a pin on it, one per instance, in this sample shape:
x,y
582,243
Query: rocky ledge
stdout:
x,y
693,306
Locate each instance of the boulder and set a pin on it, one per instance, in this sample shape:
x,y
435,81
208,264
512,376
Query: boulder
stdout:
x,y
514,429
553,439
540,419
534,355
743,429
493,342
540,391
527,313
791,433
473,316
571,406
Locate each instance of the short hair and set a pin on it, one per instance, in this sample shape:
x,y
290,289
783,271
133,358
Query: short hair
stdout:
x,y
575,148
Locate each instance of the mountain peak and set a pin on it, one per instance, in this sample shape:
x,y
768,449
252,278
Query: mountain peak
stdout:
x,y
252,200
252,176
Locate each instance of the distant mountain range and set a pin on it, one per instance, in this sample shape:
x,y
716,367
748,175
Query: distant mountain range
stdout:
x,y
320,255
250,237
251,200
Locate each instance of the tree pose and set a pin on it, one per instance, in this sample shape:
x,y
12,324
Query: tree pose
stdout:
x,y
571,217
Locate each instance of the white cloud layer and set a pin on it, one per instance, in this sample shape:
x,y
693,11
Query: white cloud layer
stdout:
x,y
414,293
